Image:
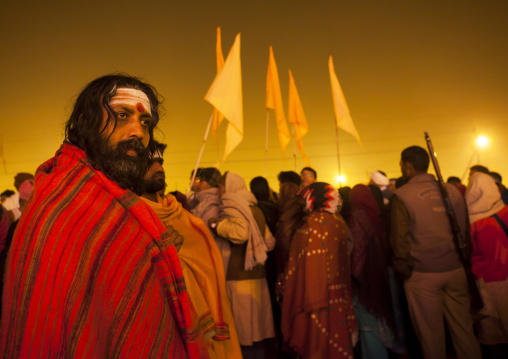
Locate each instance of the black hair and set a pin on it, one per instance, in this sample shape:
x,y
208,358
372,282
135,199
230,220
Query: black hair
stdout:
x,y
480,168
496,176
86,121
345,210
400,182
289,177
197,172
260,188
310,170
159,147
453,179
7,193
417,156
210,175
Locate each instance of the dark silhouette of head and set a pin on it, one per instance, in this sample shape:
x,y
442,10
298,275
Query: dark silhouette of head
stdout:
x,y
496,176
414,160
289,177
155,177
454,180
260,188
210,175
479,168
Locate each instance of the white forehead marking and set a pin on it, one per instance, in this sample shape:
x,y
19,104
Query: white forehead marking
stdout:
x,y
131,97
157,155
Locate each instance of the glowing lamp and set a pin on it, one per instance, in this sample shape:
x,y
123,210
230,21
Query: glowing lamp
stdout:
x,y
482,141
340,179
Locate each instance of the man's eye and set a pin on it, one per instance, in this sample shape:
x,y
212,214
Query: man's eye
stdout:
x,y
121,115
146,123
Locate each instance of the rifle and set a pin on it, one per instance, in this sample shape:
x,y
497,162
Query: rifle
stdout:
x,y
462,246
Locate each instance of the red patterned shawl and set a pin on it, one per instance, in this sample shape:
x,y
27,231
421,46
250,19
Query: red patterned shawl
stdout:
x,y
92,273
317,310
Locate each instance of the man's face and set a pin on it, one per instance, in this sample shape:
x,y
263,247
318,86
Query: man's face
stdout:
x,y
196,185
132,112
124,156
307,178
155,177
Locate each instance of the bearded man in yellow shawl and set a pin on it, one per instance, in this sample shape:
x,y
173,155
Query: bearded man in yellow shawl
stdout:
x,y
200,260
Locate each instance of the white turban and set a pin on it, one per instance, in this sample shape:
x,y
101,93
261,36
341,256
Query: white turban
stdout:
x,y
482,197
379,179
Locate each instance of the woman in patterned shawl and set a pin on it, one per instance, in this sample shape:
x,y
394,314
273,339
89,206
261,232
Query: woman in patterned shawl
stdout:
x,y
317,311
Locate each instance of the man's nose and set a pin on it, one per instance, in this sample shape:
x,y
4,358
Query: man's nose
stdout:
x,y
156,167
136,129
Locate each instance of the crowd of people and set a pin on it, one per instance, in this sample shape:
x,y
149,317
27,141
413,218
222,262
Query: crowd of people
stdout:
x,y
99,260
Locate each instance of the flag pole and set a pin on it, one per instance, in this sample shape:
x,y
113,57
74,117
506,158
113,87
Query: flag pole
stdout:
x,y
338,152
200,154
266,142
217,139
294,144
475,153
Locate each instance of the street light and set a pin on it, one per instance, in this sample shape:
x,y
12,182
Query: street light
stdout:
x,y
482,141
340,179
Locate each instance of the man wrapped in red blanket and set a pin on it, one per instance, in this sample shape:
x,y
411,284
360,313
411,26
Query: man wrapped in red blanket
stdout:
x,y
92,272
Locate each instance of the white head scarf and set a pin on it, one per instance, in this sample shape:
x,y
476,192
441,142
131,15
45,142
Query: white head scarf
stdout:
x,y
482,197
236,195
379,179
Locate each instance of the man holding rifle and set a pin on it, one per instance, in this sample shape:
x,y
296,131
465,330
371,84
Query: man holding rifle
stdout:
x,y
425,256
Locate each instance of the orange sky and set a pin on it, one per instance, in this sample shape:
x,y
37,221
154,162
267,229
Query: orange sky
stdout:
x,y
405,67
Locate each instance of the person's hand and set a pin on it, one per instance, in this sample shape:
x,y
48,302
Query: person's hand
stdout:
x,y
212,224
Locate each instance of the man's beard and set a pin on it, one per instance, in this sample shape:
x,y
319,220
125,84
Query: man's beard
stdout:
x,y
127,171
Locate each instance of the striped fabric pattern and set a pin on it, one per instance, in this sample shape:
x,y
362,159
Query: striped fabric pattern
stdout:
x,y
93,273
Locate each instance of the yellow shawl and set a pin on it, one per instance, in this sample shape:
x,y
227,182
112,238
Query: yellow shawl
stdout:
x,y
204,276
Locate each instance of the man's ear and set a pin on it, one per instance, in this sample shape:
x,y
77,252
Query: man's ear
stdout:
x,y
408,168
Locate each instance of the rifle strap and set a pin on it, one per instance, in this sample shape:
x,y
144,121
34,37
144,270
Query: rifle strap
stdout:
x,y
501,223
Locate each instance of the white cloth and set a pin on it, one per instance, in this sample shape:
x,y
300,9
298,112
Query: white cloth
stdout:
x,y
12,204
482,197
379,179
252,310
237,197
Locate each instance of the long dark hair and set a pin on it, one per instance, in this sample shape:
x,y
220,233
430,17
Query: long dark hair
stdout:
x,y
260,189
85,124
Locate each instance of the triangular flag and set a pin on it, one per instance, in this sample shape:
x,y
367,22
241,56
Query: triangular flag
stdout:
x,y
225,95
217,117
296,116
274,101
342,115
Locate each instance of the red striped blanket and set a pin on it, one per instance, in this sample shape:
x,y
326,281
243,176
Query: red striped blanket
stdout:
x,y
92,273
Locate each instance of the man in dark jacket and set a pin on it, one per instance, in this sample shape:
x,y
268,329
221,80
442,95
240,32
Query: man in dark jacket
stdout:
x,y
424,255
